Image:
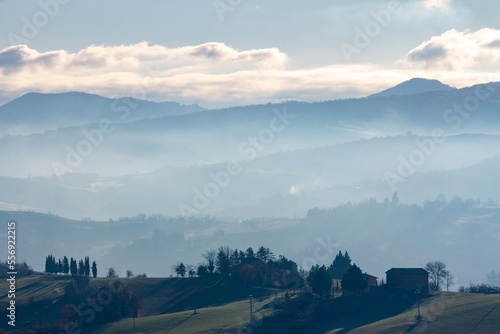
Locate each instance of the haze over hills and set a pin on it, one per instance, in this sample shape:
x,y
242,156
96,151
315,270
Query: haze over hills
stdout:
x,y
37,112
235,166
275,160
280,184
377,234
215,136
287,153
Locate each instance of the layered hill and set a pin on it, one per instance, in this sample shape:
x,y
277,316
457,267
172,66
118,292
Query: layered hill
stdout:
x,y
244,163
37,112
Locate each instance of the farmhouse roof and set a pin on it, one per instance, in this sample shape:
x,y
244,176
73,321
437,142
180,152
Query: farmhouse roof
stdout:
x,y
408,271
368,275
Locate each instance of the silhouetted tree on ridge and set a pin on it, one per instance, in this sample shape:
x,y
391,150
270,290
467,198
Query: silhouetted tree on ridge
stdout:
x,y
354,280
320,280
340,265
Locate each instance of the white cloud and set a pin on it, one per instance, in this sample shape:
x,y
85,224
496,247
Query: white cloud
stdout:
x,y
136,57
437,4
458,50
214,74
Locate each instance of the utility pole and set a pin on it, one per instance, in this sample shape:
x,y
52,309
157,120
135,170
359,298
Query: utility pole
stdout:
x,y
250,298
134,314
418,304
419,317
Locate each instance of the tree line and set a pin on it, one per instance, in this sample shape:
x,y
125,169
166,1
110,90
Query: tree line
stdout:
x,y
249,267
70,266
22,269
481,288
263,268
341,269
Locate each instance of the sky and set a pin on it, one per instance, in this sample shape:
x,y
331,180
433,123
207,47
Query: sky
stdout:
x,y
220,53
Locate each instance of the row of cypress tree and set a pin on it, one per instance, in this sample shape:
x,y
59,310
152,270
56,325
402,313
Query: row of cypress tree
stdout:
x,y
70,266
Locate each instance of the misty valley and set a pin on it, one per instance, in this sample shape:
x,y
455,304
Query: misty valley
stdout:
x,y
399,179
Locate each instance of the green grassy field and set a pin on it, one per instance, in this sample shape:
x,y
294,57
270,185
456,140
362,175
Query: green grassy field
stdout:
x,y
39,298
217,313
230,318
441,313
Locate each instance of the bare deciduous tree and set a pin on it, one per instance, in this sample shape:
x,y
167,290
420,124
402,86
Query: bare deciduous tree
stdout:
x,y
210,257
437,274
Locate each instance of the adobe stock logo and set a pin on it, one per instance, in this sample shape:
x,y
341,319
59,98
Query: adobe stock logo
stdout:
x,y
248,148
31,26
94,137
372,29
95,133
221,7
323,251
454,117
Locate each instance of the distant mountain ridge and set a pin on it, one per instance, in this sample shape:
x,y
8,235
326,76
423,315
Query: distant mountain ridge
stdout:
x,y
37,112
40,112
414,86
150,137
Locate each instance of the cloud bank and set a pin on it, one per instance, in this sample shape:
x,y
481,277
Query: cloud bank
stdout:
x,y
458,50
217,75
135,57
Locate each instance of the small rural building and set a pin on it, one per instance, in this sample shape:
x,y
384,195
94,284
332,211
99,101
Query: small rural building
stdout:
x,y
408,279
371,282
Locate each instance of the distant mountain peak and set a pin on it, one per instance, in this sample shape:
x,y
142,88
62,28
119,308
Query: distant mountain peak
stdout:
x,y
38,112
414,86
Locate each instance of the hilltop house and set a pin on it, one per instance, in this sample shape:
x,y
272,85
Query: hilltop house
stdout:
x,y
371,282
408,280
